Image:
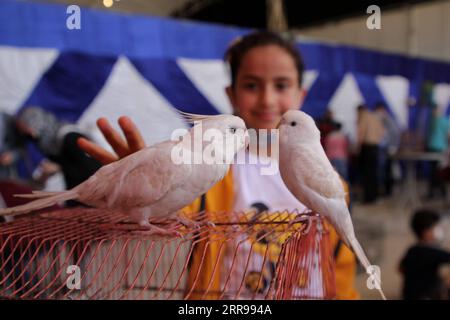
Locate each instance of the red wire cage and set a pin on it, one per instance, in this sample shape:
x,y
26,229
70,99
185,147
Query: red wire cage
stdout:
x,y
88,253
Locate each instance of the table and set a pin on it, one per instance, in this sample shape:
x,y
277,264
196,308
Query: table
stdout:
x,y
410,195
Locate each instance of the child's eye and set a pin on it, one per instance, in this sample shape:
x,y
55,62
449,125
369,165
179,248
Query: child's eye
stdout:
x,y
282,86
232,130
250,86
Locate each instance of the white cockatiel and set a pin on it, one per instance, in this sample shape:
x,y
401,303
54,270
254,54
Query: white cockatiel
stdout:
x,y
149,183
311,178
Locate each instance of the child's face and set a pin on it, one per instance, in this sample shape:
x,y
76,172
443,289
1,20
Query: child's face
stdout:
x,y
438,233
266,87
434,235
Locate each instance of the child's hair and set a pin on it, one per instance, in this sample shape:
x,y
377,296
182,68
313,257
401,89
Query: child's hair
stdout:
x,y
240,47
380,105
423,220
362,107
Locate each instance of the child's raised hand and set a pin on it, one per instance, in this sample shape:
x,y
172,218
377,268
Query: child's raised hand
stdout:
x,y
134,141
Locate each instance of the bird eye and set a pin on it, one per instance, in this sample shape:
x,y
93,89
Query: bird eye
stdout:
x,y
233,130
293,123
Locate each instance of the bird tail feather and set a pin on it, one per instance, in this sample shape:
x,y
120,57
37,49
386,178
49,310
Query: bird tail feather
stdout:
x,y
365,262
43,200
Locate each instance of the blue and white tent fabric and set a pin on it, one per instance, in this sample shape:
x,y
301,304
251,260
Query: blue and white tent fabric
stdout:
x,y
146,67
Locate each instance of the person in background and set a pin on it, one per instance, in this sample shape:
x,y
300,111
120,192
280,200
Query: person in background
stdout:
x,y
12,147
388,147
445,172
336,147
437,141
326,125
12,150
421,265
370,132
57,140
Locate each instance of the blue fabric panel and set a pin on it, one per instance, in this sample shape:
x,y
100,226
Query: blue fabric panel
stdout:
x,y
369,89
320,93
71,84
108,33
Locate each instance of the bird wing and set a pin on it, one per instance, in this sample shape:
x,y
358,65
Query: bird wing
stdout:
x,y
311,168
138,180
318,186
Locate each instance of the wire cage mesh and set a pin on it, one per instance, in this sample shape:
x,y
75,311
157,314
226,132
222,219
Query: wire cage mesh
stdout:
x,y
87,253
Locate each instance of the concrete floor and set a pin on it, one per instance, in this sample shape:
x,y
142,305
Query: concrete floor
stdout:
x,y
384,233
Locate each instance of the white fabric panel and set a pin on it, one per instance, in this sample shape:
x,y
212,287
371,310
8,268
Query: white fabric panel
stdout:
x,y
20,70
309,77
126,92
344,102
210,77
395,89
441,96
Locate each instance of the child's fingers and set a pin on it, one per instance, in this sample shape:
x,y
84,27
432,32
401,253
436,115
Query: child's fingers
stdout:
x,y
118,144
96,151
132,134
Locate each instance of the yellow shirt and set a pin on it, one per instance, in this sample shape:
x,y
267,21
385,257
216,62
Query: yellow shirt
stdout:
x,y
220,198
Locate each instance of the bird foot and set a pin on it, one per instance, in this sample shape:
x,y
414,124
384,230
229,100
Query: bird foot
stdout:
x,y
210,224
151,229
301,219
188,223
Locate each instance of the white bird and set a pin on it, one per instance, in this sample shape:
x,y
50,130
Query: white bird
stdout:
x,y
311,178
149,183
